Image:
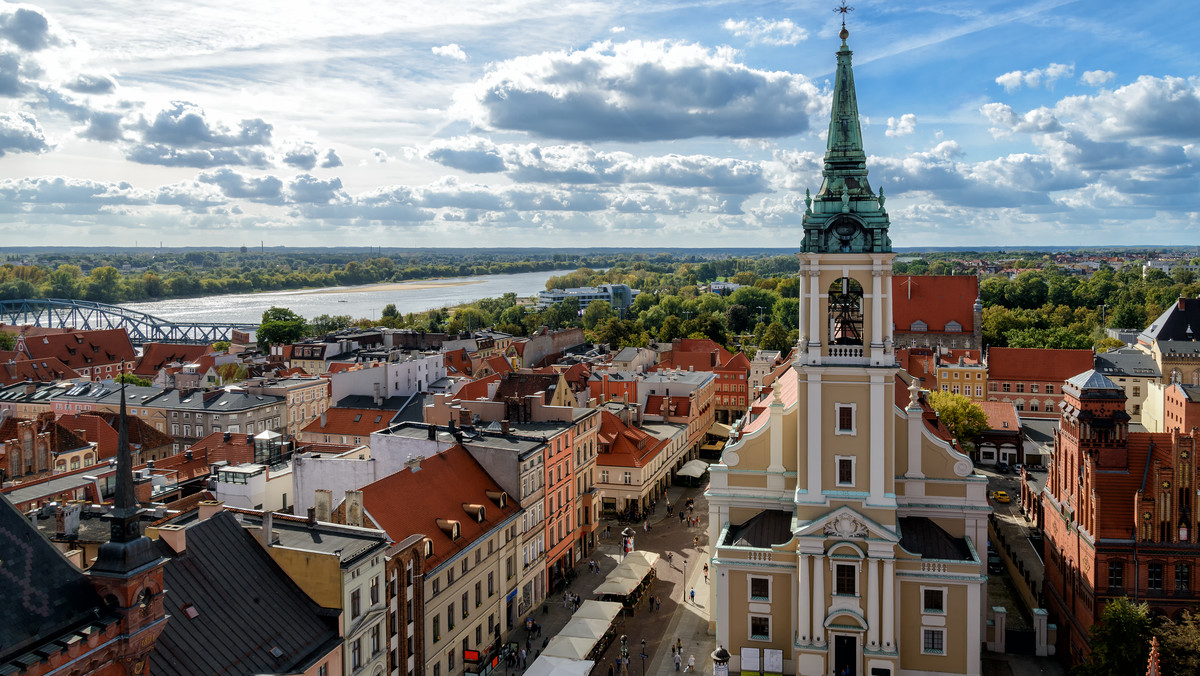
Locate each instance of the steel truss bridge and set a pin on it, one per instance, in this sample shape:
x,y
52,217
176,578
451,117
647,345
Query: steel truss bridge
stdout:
x,y
62,313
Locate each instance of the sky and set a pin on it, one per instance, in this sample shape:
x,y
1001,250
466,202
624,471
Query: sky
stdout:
x,y
544,123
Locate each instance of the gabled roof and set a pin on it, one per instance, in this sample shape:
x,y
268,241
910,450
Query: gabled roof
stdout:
x,y
624,445
155,356
1180,322
1001,416
1127,361
142,434
1092,380
83,349
1054,366
737,362
935,300
359,422
46,370
445,482
498,364
233,609
45,596
235,450
521,385
476,389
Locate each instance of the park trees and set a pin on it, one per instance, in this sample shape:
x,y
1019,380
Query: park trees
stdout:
x,y
280,326
963,417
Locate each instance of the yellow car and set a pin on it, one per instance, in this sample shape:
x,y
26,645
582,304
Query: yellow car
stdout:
x,y
1001,496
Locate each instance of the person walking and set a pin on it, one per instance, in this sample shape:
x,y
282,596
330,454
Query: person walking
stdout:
x,y
524,658
706,572
692,594
691,663
678,660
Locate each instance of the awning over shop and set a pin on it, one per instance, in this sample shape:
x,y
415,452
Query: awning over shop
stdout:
x,y
648,558
569,647
621,586
581,627
693,468
559,666
720,430
598,610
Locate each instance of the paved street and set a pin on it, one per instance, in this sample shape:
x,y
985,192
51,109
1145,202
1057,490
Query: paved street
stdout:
x,y
677,619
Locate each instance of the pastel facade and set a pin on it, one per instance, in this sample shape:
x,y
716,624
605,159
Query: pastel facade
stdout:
x,y
844,525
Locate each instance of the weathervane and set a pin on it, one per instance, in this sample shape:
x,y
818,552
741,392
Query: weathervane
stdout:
x,y
843,10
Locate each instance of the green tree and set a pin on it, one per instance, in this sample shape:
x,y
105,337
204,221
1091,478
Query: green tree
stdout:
x,y
280,326
737,318
1179,644
467,319
389,311
221,346
1128,315
323,324
672,328
597,312
104,285
64,282
7,341
775,338
961,416
1120,642
133,379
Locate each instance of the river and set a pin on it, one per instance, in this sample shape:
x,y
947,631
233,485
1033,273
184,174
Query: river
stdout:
x,y
357,301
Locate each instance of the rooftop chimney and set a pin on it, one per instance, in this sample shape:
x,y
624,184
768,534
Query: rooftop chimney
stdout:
x,y
414,462
208,508
324,418
174,535
268,528
354,508
504,426
312,517
324,504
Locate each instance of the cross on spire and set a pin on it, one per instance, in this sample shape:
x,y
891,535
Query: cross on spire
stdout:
x,y
843,10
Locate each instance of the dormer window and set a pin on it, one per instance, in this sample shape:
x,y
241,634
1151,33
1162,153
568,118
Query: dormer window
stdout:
x,y
918,326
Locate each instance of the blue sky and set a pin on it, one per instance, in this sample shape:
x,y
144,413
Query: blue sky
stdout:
x,y
590,123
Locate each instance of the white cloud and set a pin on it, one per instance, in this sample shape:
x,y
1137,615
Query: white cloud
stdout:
x,y
1013,80
616,30
451,50
639,91
907,124
380,156
1097,78
21,133
766,32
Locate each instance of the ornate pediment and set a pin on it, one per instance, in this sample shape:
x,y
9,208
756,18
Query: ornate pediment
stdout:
x,y
846,524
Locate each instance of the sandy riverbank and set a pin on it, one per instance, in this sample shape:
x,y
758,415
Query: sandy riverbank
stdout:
x,y
398,286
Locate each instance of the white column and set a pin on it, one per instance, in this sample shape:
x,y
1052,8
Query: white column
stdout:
x,y
877,308
814,439
879,413
803,600
818,600
814,294
889,600
872,604
801,311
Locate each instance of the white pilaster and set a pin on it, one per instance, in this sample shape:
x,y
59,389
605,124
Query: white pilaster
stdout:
x,y
878,415
803,599
814,439
974,626
872,604
877,308
814,303
818,600
805,331
775,469
915,422
889,603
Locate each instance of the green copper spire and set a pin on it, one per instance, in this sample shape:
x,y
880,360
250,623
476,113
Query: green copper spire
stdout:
x,y
845,215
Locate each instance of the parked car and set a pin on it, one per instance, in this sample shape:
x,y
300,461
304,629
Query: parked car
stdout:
x,y
993,563
1001,496
1002,467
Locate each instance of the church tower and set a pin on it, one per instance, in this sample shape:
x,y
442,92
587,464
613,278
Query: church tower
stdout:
x,y
128,572
847,528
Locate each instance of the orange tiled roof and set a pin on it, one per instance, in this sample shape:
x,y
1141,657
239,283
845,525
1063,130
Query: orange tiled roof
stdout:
x,y
934,299
476,389
624,445
658,405
83,349
47,370
155,356
350,422
446,482
1054,366
237,450
1001,415
737,362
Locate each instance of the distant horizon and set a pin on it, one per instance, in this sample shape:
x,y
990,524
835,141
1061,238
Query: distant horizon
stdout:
x,y
439,122
1175,248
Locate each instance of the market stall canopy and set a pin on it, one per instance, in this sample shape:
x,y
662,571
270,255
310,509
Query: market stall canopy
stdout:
x,y
570,647
598,610
581,627
720,430
559,666
623,586
648,558
694,469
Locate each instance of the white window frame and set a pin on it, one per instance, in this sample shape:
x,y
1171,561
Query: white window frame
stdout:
x,y
856,565
750,589
939,630
945,599
837,469
837,418
750,624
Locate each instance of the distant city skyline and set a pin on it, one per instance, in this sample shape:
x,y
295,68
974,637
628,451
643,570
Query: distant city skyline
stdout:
x,y
528,123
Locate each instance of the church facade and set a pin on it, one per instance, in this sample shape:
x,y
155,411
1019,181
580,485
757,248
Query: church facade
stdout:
x,y
847,532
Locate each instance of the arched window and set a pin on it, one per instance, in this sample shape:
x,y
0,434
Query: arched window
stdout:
x,y
845,312
1176,376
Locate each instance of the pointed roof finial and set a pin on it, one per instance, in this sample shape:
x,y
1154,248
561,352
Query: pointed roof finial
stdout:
x,y
843,10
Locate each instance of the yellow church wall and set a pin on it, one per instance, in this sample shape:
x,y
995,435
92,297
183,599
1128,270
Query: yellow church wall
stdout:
x,y
319,575
945,489
778,608
954,621
745,480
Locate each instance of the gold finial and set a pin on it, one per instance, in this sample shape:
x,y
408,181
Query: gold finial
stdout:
x,y
843,10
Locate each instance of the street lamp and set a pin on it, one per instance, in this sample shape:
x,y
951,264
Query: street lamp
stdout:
x,y
643,657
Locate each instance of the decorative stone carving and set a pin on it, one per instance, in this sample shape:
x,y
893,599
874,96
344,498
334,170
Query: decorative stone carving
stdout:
x,y
963,467
846,527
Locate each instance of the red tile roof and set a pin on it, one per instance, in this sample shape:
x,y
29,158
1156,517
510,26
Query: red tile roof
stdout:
x,y
1115,490
919,363
446,483
623,445
349,422
458,360
83,349
47,370
155,356
235,451
94,429
476,389
657,405
1001,415
1053,366
934,299
499,364
737,362
142,434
